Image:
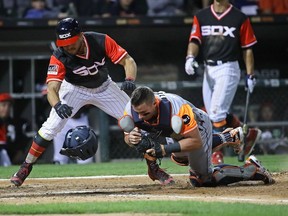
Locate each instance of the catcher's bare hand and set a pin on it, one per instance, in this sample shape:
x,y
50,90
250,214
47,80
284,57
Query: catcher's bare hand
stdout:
x,y
134,136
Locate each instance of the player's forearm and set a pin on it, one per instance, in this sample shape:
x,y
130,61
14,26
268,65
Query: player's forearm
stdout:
x,y
52,92
249,61
190,144
193,49
130,68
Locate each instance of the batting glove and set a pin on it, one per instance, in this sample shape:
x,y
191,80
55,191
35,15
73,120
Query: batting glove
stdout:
x,y
190,65
250,82
63,110
128,86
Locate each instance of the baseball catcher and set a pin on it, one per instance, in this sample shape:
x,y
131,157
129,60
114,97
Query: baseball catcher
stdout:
x,y
188,133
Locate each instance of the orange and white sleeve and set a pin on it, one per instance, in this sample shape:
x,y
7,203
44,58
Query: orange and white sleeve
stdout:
x,y
114,51
196,31
247,36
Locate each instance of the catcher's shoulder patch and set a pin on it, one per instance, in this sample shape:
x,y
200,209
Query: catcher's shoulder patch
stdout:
x,y
186,119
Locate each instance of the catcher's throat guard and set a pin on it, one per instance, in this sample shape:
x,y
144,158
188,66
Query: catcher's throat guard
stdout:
x,y
126,123
80,143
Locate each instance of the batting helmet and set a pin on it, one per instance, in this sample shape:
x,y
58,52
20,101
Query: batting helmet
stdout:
x,y
67,32
80,142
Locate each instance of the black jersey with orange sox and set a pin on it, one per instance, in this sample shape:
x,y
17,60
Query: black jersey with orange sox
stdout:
x,y
89,71
222,36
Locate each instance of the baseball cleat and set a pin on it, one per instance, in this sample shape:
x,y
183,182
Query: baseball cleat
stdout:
x,y
18,178
156,173
194,179
261,173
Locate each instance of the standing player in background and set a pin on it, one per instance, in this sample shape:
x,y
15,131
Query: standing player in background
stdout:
x,y
220,32
77,75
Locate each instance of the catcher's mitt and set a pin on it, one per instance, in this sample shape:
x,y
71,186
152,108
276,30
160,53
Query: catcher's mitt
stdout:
x,y
149,142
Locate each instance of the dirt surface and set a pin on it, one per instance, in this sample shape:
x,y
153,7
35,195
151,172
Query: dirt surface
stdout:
x,y
113,188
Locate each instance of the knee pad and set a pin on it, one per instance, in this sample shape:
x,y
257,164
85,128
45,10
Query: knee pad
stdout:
x,y
228,174
41,141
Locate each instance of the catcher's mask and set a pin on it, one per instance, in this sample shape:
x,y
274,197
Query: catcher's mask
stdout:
x,y
80,142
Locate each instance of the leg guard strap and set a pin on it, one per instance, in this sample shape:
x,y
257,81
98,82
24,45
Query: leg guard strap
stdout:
x,y
227,174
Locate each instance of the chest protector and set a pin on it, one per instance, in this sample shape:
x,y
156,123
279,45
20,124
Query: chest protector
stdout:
x,y
164,123
91,72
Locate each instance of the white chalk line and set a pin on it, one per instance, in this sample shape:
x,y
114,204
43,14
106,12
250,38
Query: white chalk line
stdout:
x,y
92,177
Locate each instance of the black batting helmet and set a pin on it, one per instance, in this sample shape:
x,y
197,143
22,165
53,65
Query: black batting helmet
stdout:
x,y
80,142
67,31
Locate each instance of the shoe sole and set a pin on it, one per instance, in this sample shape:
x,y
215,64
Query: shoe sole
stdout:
x,y
16,182
167,182
254,160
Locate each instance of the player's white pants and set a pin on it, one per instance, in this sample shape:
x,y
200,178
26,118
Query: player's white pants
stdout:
x,y
60,138
108,97
219,87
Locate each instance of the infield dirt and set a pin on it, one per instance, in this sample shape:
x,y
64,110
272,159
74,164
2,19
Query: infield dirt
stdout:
x,y
118,188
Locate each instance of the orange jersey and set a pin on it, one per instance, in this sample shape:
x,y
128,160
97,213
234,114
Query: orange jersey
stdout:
x,y
176,106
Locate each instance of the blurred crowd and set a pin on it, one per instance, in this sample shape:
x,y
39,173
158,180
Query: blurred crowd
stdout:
x,y
37,9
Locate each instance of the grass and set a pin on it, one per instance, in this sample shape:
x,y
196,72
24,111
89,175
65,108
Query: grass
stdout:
x,y
275,163
148,207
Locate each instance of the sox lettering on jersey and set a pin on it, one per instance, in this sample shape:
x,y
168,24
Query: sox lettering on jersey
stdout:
x,y
85,71
218,30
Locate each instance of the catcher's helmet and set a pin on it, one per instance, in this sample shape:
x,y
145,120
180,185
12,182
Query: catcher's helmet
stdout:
x,y
80,142
67,31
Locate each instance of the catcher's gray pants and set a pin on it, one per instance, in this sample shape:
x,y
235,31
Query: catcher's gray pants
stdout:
x,y
200,160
